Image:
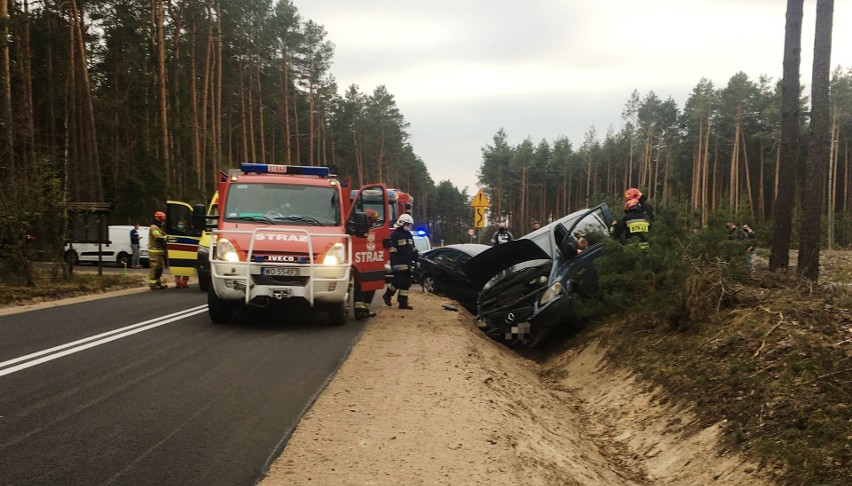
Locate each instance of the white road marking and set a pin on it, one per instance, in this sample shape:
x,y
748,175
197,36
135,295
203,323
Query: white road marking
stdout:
x,y
92,341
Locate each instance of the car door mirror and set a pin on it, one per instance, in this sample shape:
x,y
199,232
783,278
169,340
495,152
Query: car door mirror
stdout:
x,y
359,224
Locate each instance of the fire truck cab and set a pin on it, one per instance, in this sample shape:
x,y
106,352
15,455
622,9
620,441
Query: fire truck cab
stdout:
x,y
399,203
291,232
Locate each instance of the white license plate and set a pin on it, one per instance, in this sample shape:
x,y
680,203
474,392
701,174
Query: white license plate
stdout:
x,y
280,271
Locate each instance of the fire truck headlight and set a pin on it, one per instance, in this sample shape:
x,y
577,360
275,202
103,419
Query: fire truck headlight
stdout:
x,y
225,251
336,255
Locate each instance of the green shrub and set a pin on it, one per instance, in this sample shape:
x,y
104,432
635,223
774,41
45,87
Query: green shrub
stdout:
x,y
682,276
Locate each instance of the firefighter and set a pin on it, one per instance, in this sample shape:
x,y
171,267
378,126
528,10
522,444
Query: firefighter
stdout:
x,y
157,251
403,258
636,194
363,299
635,223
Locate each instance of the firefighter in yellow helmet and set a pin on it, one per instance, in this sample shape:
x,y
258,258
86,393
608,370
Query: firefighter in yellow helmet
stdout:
x,y
157,251
363,299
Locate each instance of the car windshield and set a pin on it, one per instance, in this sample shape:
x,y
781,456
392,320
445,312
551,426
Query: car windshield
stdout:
x,y
283,204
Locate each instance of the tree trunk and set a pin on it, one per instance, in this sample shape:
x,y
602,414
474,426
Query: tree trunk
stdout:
x,y
197,165
6,88
747,172
285,99
779,257
296,135
818,149
164,102
832,177
733,187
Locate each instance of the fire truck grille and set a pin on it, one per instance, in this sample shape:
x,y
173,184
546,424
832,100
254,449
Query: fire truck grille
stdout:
x,y
289,281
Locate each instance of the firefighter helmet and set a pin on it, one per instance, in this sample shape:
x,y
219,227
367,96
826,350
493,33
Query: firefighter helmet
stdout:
x,y
159,216
372,215
632,193
405,219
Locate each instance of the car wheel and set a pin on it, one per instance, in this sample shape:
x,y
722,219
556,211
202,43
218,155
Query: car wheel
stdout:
x,y
338,313
71,257
203,284
123,259
220,310
428,284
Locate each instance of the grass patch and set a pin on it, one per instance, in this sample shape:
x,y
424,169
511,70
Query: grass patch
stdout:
x,y
50,287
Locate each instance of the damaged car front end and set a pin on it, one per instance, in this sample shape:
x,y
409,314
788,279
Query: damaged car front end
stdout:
x,y
531,286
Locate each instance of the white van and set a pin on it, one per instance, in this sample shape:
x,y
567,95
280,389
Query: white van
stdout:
x,y
118,250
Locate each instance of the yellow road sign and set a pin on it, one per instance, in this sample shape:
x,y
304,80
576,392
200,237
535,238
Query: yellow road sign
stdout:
x,y
479,217
480,200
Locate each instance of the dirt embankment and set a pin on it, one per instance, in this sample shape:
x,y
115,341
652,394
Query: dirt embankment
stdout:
x,y
425,398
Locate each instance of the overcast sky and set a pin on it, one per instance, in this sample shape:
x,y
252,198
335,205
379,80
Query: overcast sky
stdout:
x,y
462,69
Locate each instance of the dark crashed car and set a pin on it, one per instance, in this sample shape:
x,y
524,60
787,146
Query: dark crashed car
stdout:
x,y
441,272
530,286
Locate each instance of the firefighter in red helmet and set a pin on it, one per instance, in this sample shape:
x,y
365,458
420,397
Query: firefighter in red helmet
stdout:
x,y
636,194
634,224
157,251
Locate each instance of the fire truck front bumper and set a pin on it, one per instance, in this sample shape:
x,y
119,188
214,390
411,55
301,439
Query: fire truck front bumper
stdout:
x,y
317,284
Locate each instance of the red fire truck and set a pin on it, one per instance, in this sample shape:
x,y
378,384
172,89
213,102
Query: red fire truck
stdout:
x,y
399,203
291,232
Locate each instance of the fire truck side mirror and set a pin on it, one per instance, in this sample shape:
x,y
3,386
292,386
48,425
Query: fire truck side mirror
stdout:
x,y
199,222
359,224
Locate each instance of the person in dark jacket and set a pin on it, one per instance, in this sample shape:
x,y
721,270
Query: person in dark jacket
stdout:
x,y
134,246
502,235
634,224
746,234
403,258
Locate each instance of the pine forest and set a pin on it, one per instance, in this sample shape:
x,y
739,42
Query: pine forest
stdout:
x,y
134,102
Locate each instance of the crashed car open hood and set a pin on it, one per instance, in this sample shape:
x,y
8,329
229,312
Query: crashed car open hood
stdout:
x,y
490,262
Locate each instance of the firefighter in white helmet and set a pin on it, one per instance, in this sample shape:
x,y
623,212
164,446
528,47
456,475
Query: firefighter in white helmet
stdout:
x,y
403,258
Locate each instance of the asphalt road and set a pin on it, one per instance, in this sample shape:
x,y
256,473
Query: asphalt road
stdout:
x,y
143,389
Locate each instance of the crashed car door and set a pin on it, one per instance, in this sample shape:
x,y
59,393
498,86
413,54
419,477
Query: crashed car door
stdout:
x,y
594,228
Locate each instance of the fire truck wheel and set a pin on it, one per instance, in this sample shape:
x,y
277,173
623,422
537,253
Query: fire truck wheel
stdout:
x,y
220,311
338,313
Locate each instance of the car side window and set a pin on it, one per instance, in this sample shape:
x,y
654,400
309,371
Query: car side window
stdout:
x,y
179,219
451,258
592,228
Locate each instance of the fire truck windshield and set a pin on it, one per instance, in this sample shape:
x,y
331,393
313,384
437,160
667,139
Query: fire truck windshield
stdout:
x,y
283,204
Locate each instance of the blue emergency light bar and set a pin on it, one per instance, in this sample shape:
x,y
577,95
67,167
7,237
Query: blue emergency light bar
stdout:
x,y
421,232
285,169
